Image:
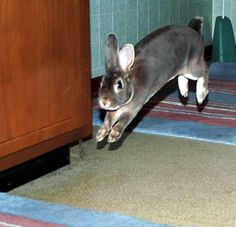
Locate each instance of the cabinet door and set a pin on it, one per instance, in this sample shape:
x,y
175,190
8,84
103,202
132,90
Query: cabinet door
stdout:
x,y
44,70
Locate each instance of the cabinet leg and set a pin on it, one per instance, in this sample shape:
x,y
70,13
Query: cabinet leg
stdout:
x,y
81,149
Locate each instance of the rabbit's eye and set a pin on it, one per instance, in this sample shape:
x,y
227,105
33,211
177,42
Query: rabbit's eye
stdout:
x,y
119,85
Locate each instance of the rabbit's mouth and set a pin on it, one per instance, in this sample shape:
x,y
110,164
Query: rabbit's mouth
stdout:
x,y
107,105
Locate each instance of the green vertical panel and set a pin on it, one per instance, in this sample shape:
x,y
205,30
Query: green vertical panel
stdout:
x,y
142,23
119,23
208,21
95,28
95,55
105,6
132,39
217,8
154,15
192,8
233,16
154,4
118,5
143,4
131,4
131,23
102,57
174,11
122,41
94,7
184,12
154,19
228,7
164,3
164,12
164,16
106,25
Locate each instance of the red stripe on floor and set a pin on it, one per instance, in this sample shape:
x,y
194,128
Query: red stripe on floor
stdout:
x,y
17,221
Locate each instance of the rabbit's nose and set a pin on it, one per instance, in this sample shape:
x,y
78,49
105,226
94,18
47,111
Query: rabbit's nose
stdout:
x,y
105,102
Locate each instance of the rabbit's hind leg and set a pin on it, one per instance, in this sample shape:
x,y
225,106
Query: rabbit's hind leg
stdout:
x,y
183,85
202,88
200,74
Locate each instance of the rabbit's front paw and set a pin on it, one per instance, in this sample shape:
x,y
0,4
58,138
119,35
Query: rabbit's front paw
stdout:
x,y
102,133
114,135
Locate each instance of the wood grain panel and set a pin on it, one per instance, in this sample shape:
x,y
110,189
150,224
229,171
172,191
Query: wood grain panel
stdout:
x,y
3,123
44,70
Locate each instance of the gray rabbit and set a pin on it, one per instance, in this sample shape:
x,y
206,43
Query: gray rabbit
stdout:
x,y
135,74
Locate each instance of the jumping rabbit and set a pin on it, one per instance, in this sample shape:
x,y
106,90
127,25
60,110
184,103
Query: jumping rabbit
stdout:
x,y
135,74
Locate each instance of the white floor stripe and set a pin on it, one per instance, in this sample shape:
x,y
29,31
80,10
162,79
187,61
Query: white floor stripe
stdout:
x,y
8,224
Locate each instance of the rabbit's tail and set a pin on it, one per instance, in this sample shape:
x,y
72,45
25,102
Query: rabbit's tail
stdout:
x,y
196,24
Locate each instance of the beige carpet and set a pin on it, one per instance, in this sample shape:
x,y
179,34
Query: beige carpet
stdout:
x,y
161,179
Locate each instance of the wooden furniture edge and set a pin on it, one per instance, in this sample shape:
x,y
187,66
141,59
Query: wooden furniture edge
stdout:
x,y
29,153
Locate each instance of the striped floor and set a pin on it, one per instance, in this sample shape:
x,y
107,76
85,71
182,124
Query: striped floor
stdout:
x,y
220,109
16,211
167,113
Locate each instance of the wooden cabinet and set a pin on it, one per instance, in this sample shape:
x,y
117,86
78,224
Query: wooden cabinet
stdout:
x,y
45,98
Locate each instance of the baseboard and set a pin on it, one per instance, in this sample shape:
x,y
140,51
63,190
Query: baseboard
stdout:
x,y
35,168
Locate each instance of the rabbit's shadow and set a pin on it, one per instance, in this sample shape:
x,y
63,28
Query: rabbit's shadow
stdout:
x,y
161,95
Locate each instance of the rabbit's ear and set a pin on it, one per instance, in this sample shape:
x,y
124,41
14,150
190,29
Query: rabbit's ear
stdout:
x,y
126,57
111,52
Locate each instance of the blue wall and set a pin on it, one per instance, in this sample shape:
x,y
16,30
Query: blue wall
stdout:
x,y
131,20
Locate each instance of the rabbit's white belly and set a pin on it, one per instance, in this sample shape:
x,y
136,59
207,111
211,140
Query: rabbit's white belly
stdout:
x,y
190,76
